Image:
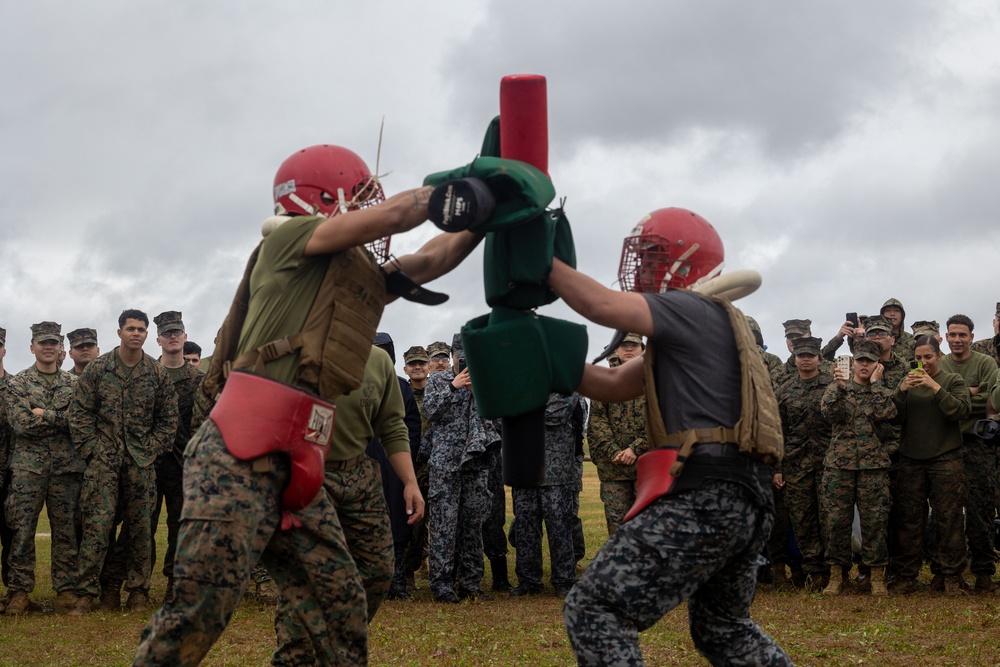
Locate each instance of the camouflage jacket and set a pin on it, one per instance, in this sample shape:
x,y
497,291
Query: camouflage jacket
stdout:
x,y
987,346
775,367
186,381
854,413
5,434
41,443
117,409
459,437
611,428
805,427
564,425
903,347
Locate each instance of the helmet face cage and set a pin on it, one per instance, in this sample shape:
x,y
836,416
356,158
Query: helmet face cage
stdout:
x,y
651,262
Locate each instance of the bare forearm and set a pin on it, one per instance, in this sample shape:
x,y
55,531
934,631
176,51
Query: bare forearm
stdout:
x,y
624,311
402,464
397,214
436,257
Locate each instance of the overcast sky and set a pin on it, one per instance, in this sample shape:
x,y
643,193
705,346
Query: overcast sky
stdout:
x,y
848,151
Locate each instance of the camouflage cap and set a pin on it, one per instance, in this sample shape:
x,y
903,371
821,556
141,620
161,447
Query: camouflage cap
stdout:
x,y
3,337
169,320
634,338
926,328
46,331
456,345
439,347
806,345
416,353
797,328
867,349
878,324
79,337
998,309
753,324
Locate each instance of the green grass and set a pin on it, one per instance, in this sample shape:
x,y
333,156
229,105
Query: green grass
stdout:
x,y
918,630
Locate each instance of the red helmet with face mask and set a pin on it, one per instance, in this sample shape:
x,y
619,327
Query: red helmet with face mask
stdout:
x,y
670,248
327,180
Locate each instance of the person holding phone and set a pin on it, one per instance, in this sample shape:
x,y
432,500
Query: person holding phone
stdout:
x,y
931,403
856,468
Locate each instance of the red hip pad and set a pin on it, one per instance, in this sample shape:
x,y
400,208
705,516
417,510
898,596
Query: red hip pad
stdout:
x,y
652,478
258,416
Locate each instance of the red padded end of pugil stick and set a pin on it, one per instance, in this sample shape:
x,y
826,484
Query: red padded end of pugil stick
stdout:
x,y
524,122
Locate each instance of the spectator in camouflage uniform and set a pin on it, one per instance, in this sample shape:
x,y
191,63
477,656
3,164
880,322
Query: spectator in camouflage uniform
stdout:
x,y
856,468
980,457
988,346
931,404
171,337
123,415
807,438
82,349
416,362
440,357
46,470
616,433
893,313
459,481
775,366
551,503
6,535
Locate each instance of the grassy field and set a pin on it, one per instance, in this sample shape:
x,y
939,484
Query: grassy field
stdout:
x,y
921,629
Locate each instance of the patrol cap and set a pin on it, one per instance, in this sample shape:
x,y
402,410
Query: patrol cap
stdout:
x,y
44,331
797,328
753,324
634,338
806,345
456,346
438,348
878,324
867,349
926,328
79,337
168,320
3,337
998,309
416,353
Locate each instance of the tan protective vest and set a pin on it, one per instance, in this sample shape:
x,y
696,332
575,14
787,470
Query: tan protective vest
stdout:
x,y
758,431
337,336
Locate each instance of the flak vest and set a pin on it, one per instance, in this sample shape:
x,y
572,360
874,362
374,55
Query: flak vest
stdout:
x,y
757,433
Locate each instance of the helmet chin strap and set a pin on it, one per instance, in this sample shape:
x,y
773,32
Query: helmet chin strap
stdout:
x,y
342,199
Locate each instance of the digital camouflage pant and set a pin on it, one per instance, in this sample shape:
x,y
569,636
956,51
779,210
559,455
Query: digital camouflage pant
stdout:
x,y
618,497
553,505
231,519
940,480
357,494
869,490
461,502
106,477
60,495
980,458
802,490
702,546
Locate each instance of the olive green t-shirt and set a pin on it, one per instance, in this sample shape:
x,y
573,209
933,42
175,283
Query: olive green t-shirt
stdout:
x,y
283,286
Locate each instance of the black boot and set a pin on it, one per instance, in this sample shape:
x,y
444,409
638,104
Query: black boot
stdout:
x,y
397,589
498,567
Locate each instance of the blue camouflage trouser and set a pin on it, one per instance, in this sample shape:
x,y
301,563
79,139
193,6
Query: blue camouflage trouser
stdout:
x,y
461,504
701,546
554,506
230,520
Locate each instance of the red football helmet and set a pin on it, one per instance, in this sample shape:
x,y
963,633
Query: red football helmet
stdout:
x,y
327,180
670,247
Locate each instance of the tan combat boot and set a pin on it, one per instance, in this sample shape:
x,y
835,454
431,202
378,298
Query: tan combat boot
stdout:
x,y
878,582
65,601
18,604
836,581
